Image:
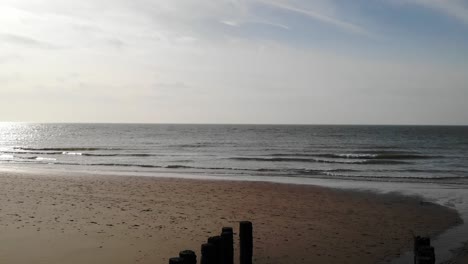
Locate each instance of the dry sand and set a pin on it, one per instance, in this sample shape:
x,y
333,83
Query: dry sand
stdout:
x,y
103,219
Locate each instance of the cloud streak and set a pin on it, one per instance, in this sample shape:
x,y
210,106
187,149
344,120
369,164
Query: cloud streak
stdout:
x,y
343,25
15,39
259,22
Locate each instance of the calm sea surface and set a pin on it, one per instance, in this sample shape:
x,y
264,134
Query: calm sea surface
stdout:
x,y
384,153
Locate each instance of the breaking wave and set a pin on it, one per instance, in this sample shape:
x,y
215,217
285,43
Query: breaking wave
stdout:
x,y
314,160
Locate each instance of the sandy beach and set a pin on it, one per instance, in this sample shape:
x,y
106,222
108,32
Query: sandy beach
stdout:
x,y
84,218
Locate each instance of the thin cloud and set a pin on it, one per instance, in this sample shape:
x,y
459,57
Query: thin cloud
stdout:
x,y
261,22
349,27
230,23
25,41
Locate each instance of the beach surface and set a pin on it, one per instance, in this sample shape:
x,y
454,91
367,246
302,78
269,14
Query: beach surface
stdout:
x,y
82,218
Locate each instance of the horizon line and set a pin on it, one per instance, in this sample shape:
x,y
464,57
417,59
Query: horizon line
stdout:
x,y
240,124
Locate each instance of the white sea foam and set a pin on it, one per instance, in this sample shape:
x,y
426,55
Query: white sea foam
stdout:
x,y
6,156
45,159
72,153
353,155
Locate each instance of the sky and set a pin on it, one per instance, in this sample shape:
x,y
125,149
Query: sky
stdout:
x,y
235,61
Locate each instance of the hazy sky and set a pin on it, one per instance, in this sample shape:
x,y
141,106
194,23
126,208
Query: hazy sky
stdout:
x,y
234,61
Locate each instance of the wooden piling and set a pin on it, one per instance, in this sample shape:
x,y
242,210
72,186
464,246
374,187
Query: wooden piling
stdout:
x,y
425,255
217,241
208,254
188,256
421,241
246,242
227,235
423,252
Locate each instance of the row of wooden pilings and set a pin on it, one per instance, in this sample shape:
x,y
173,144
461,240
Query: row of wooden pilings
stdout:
x,y
220,249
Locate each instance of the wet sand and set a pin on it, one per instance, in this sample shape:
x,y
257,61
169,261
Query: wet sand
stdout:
x,y
461,256
115,219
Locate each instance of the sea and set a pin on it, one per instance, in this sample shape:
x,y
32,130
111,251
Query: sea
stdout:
x,y
370,153
426,161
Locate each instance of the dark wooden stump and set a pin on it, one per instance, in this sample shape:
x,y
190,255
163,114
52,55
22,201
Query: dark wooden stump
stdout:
x,y
228,245
208,254
423,252
188,256
246,242
217,241
421,241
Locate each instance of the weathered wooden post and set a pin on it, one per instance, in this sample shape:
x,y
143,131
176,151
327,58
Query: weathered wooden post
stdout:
x,y
423,252
208,254
421,241
426,255
176,261
246,242
188,256
228,245
217,241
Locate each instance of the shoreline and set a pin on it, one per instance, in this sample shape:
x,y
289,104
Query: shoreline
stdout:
x,y
92,200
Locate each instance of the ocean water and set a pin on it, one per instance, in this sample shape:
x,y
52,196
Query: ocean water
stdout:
x,y
427,161
370,153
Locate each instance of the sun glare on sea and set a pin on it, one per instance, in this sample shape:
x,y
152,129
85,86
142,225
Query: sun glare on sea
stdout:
x,y
11,133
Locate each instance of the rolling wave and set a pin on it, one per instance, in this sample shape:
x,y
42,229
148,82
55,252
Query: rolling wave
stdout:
x,y
271,159
201,145
45,152
33,152
9,157
45,159
121,155
392,178
338,173
395,156
111,165
64,149
292,155
314,173
72,153
179,166
279,159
